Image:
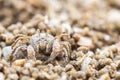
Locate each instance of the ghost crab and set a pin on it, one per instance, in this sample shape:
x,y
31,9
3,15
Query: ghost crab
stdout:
x,y
44,45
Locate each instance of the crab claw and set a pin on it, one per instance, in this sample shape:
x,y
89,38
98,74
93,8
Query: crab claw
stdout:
x,y
31,53
55,51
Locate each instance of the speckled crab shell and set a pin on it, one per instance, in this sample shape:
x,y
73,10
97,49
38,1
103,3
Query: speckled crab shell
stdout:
x,y
42,42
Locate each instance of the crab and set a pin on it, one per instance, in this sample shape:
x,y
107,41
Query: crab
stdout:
x,y
42,46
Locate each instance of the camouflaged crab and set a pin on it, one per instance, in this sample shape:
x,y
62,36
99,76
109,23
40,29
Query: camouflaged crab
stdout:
x,y
42,46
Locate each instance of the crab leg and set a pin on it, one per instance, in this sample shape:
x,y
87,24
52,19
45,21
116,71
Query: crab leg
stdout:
x,y
52,57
